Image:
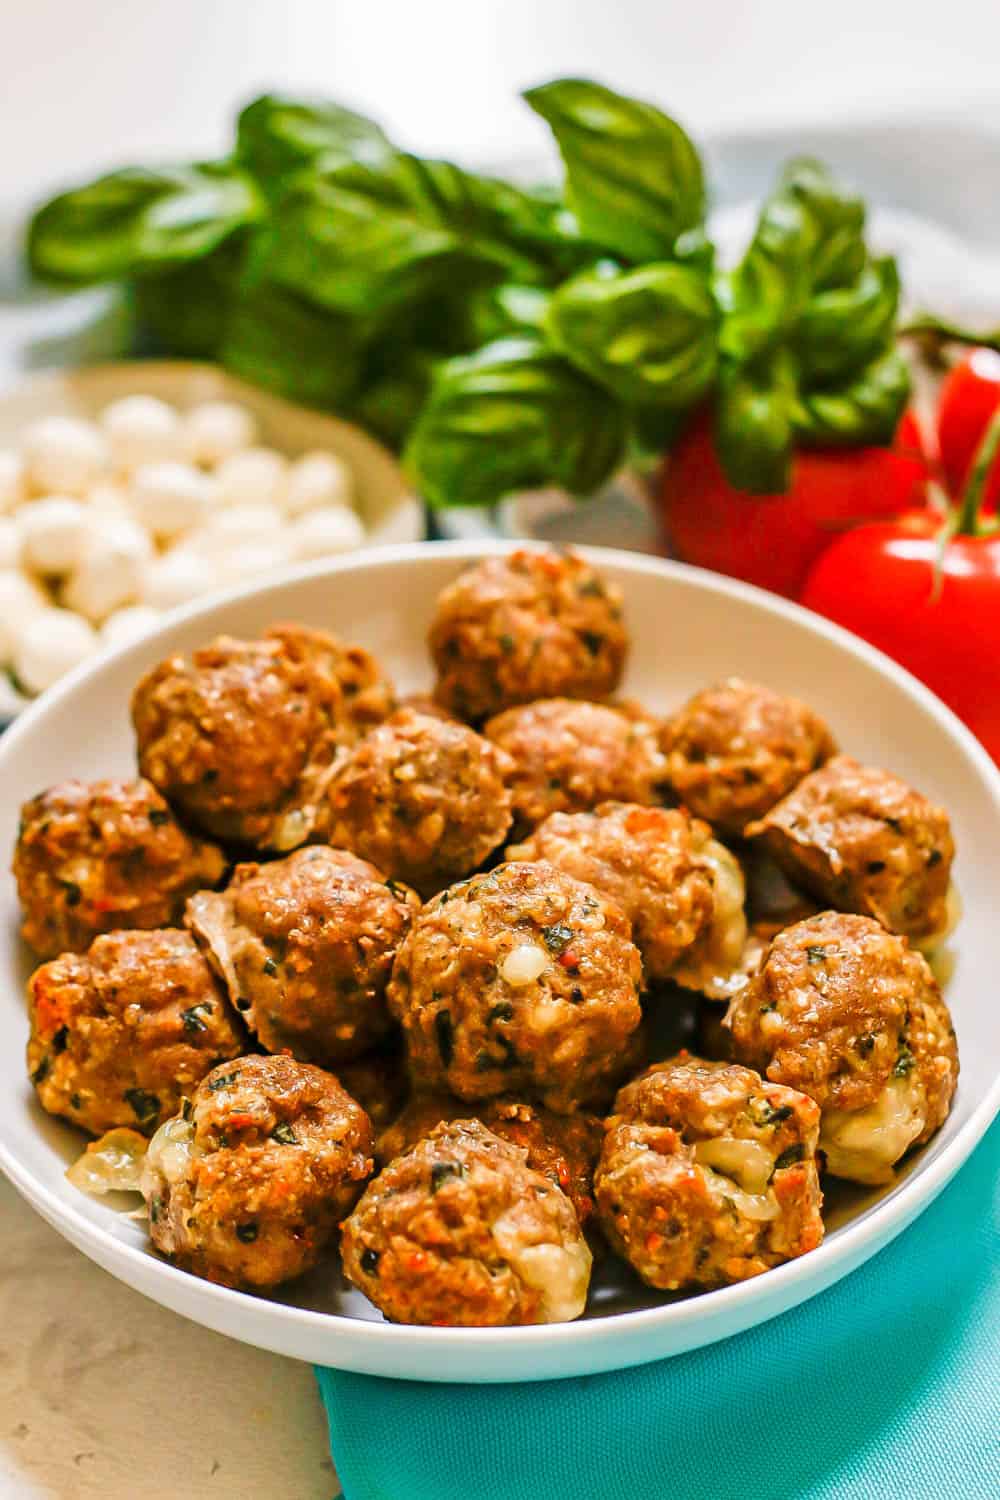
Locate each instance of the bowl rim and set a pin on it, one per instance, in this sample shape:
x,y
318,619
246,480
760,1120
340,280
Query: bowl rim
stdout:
x,y
783,1286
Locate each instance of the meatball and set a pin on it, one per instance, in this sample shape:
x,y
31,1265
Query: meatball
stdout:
x,y
522,980
99,856
708,1175
737,748
120,1033
378,1081
864,841
563,1148
422,797
849,1014
242,737
461,1231
246,1186
305,947
681,890
528,625
569,756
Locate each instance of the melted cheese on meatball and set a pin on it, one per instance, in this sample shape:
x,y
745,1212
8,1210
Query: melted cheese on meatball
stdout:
x,y
865,1144
740,1170
559,1272
713,963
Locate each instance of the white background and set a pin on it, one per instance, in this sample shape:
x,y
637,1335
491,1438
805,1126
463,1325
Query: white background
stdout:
x,y
101,1393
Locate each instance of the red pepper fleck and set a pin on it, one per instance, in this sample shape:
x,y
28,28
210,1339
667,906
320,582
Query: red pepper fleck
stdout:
x,y
569,960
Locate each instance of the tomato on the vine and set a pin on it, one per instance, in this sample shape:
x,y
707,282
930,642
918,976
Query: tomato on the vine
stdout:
x,y
773,540
970,394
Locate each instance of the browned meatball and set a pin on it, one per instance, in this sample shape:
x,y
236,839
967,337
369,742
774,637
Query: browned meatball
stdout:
x,y
100,856
241,737
708,1174
865,841
305,947
528,625
681,890
852,1016
248,1184
378,1081
120,1033
460,1231
562,1147
522,980
422,797
569,756
737,748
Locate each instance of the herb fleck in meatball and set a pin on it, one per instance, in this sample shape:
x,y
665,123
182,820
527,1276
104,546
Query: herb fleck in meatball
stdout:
x,y
563,1148
305,946
681,890
737,748
422,797
865,841
522,980
569,756
708,1175
120,1033
247,1186
528,625
849,1014
242,736
99,856
461,1231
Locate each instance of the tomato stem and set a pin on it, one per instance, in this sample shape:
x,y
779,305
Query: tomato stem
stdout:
x,y
972,497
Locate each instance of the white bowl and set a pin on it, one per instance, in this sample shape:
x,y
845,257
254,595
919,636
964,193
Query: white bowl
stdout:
x,y
688,627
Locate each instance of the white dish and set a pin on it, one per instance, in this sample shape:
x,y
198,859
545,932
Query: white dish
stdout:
x,y
688,627
387,506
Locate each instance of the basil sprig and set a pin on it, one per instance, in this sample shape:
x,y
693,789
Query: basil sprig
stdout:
x,y
505,335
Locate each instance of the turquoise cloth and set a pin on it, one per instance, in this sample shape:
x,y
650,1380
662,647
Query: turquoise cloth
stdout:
x,y
885,1387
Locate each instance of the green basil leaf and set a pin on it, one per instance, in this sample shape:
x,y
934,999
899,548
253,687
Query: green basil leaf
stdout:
x,y
391,399
755,406
649,335
865,410
844,327
351,251
186,311
633,177
839,217
288,345
506,309
139,220
277,135
512,416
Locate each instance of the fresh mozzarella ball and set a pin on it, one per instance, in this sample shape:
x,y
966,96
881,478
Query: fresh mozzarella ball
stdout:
x,y
317,479
50,644
54,533
109,499
11,542
242,525
111,572
215,430
63,455
253,560
253,477
141,430
11,481
20,599
325,532
170,498
177,577
129,624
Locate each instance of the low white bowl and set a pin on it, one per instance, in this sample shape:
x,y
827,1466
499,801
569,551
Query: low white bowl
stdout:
x,y
687,627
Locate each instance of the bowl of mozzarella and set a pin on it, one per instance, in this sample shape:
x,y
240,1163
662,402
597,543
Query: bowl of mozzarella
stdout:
x,y
131,489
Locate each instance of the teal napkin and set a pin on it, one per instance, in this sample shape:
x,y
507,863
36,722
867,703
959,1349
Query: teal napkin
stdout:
x,y
885,1387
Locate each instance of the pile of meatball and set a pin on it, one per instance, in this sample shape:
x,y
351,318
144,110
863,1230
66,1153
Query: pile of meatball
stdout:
x,y
385,973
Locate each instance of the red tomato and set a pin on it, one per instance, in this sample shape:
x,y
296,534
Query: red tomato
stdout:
x,y
772,540
970,394
880,581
